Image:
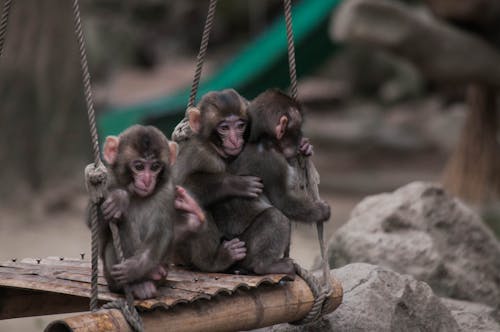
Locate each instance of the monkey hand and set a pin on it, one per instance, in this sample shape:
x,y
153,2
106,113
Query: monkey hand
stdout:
x,y
186,203
126,272
306,148
116,204
245,186
234,249
322,212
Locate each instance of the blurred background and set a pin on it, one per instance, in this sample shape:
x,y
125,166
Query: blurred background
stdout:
x,y
394,92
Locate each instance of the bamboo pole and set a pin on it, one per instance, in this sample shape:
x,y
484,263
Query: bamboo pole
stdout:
x,y
244,310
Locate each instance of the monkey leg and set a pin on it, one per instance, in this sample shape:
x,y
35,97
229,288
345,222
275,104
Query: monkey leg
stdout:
x,y
267,239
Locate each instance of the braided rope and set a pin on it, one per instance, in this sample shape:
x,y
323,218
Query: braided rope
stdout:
x,y
291,49
131,316
127,307
3,23
203,50
321,291
321,295
94,226
129,311
86,81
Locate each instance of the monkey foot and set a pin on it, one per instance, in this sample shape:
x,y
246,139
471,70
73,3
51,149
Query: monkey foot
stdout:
x,y
143,290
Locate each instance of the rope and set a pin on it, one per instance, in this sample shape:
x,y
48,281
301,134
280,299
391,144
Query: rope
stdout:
x,y
86,81
321,291
291,49
321,296
97,171
131,316
96,176
126,306
3,23
203,50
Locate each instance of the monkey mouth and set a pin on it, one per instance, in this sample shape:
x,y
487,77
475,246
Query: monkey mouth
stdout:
x,y
232,151
143,192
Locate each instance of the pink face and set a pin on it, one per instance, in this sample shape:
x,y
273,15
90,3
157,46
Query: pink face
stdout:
x,y
231,132
145,174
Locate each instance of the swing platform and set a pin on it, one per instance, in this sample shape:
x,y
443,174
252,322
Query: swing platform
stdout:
x,y
188,300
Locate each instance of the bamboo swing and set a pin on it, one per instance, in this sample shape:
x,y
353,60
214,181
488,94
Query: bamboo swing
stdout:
x,y
188,300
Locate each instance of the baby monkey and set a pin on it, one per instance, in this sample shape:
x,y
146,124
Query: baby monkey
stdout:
x,y
152,213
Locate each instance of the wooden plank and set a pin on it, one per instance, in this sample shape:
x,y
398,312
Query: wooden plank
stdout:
x,y
244,310
68,281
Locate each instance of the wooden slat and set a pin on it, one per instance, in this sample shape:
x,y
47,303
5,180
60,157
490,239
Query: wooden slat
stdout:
x,y
68,281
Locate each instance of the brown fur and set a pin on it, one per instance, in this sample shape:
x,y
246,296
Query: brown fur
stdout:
x,y
264,222
146,228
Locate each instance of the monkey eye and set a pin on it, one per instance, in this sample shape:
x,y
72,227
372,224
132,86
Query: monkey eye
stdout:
x,y
156,166
241,125
223,127
138,166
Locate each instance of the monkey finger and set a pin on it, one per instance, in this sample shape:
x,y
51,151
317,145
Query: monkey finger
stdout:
x,y
254,178
257,184
237,245
309,151
257,191
231,242
180,191
108,207
238,256
240,251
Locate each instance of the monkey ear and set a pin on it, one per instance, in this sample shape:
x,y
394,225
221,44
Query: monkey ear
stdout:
x,y
173,147
194,116
111,149
281,127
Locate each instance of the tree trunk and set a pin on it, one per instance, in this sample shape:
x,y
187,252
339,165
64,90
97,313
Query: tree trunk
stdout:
x,y
473,170
44,132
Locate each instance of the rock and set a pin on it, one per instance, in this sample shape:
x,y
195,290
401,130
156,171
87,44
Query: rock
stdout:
x,y
410,33
380,300
473,316
420,230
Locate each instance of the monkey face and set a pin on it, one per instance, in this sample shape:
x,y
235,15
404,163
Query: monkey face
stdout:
x,y
230,132
145,174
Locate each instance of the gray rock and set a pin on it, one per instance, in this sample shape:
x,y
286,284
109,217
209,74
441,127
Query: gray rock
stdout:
x,y
441,51
380,300
473,316
420,230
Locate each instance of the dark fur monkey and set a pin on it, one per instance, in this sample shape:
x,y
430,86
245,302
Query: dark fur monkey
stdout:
x,y
142,198
264,223
220,127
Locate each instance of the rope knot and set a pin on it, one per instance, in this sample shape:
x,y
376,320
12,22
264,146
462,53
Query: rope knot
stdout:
x,y
96,178
321,292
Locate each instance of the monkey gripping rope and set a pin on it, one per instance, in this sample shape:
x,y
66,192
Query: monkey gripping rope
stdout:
x,y
321,293
96,177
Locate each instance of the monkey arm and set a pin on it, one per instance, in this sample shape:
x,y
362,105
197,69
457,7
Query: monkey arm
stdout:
x,y
277,176
211,188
